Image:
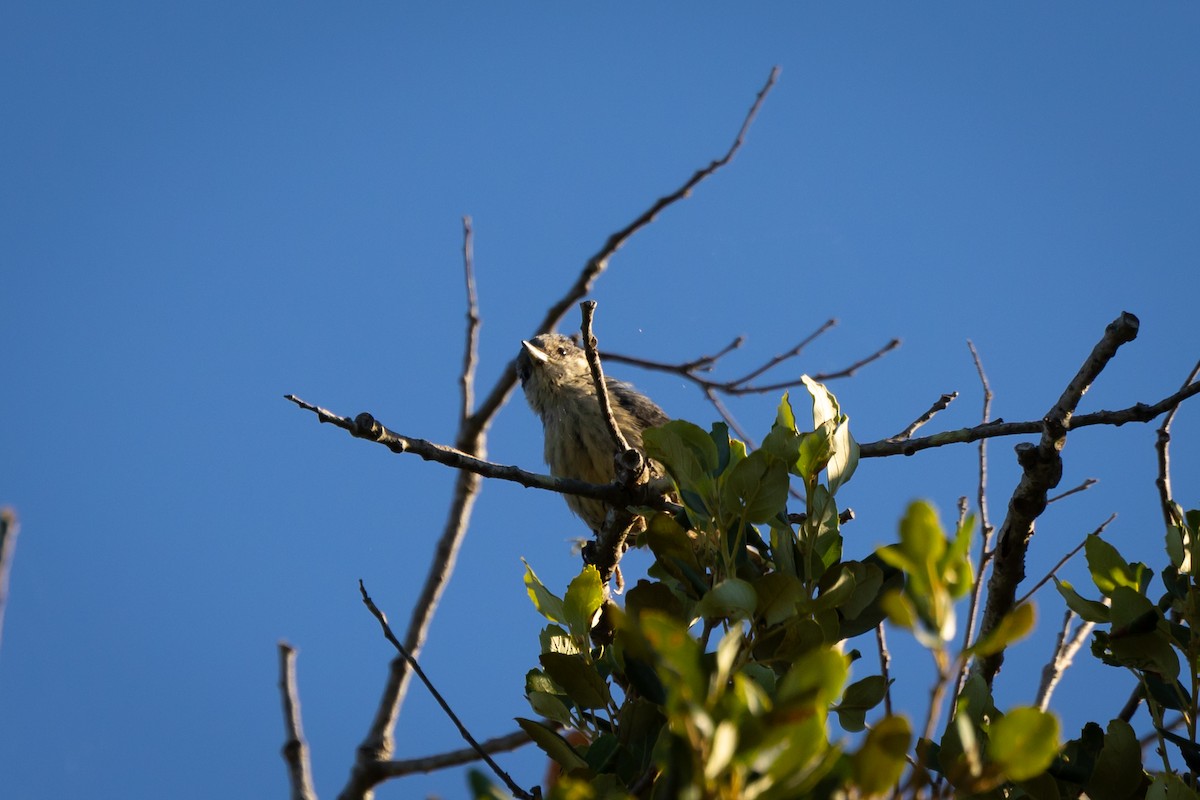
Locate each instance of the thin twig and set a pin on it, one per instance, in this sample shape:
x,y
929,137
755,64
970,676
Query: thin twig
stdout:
x,y
9,528
885,662
471,348
1064,655
689,370
779,359
1083,487
437,696
588,309
1162,446
1041,466
295,749
456,758
1062,561
845,372
941,404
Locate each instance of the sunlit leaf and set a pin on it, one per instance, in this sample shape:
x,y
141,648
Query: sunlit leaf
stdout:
x,y
1023,742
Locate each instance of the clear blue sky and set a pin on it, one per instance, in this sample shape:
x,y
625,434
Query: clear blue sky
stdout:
x,y
206,206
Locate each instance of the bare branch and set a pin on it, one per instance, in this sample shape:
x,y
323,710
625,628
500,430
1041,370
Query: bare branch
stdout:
x,y
885,661
437,696
471,348
1041,466
1162,446
295,749
1083,487
1139,412
588,307
941,404
365,426
985,525
847,372
1064,655
9,528
456,758
779,359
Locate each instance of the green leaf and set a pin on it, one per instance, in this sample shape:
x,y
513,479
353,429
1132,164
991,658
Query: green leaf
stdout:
x,y
1023,742
777,594
1013,626
687,452
759,484
552,744
731,599
1118,772
585,595
1108,569
1088,610
843,450
549,706
577,678
815,680
879,763
921,535
548,605
859,698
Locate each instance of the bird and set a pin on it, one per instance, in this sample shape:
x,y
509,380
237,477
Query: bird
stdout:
x,y
558,384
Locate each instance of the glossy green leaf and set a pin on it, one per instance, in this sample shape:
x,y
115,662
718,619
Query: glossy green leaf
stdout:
x,y
1109,570
1088,610
585,595
1023,742
549,605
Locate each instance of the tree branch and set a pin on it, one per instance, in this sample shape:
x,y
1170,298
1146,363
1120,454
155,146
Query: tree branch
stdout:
x,y
1139,412
456,758
1162,447
295,750
365,426
1042,469
9,528
516,790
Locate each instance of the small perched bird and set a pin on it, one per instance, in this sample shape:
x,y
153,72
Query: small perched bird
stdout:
x,y
558,385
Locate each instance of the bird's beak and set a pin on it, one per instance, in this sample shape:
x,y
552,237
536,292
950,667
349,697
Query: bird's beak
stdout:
x,y
534,352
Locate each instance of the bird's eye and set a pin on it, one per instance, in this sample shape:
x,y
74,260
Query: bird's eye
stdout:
x,y
562,351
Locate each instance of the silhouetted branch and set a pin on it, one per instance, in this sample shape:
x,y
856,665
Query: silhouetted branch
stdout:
x,y
1083,487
